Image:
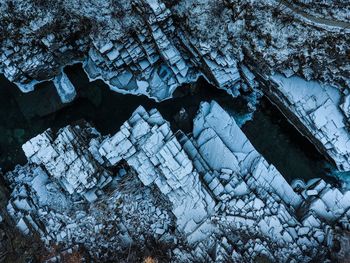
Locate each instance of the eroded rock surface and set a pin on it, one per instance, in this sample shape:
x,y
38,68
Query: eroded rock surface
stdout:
x,y
209,196
152,46
317,109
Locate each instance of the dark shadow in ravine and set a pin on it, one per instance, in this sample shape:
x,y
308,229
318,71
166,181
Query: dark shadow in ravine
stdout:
x,y
281,144
26,115
23,116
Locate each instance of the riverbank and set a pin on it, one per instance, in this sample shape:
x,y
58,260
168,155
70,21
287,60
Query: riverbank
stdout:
x,y
25,115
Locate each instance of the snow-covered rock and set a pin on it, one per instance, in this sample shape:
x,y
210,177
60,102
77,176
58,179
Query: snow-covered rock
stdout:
x,y
65,88
148,145
163,45
316,112
66,159
204,192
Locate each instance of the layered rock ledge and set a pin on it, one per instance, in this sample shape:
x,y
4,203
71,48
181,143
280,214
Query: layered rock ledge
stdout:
x,y
208,196
151,47
318,109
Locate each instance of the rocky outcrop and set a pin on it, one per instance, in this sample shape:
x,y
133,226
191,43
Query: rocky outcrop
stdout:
x,y
152,47
66,159
68,197
315,110
147,144
153,60
210,193
65,88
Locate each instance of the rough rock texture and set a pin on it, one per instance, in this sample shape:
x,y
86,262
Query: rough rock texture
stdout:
x,y
208,196
67,160
66,196
317,109
151,46
211,193
326,9
14,246
65,88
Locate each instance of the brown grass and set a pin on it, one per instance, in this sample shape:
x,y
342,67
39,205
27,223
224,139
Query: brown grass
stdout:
x,y
150,260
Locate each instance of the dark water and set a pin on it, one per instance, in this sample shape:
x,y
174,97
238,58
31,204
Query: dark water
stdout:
x,y
281,144
23,116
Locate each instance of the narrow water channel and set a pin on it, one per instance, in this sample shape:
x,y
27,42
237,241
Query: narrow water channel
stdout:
x,y
282,145
26,115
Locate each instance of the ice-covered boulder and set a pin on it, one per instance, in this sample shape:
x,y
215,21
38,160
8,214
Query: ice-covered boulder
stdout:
x,y
65,88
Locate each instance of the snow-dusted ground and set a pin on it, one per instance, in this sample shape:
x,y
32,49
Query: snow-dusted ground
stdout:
x,y
152,47
206,193
324,23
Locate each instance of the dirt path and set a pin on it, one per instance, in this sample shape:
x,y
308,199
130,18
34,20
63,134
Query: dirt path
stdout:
x,y
316,20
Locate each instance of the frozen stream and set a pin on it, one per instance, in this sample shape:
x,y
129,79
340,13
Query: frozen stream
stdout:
x,y
25,115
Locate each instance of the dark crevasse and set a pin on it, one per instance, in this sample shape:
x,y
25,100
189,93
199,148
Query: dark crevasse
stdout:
x,y
282,145
23,116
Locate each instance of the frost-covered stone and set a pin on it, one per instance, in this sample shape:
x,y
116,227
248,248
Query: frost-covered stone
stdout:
x,y
167,44
66,160
147,144
212,187
65,88
316,109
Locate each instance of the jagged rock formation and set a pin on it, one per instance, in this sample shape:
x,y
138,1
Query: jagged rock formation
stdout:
x,y
147,57
210,193
77,175
317,109
213,196
151,47
64,178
